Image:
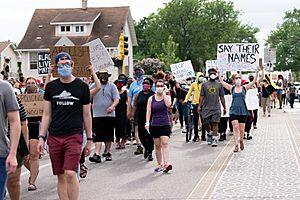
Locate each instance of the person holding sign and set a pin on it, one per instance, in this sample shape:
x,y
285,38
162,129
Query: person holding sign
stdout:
x,y
238,110
67,108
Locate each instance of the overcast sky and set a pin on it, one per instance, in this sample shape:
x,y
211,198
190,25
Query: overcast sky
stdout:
x,y
15,15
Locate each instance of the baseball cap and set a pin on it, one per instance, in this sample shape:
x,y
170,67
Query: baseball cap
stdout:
x,y
62,55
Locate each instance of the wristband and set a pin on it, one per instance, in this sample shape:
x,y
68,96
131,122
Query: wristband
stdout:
x,y
43,137
89,139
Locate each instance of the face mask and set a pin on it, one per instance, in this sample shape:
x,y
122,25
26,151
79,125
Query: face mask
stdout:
x,y
31,89
238,82
146,87
200,80
138,74
119,85
212,77
251,79
64,70
104,80
183,86
159,90
189,82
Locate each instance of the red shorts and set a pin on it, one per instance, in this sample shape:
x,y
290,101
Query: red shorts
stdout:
x,y
65,152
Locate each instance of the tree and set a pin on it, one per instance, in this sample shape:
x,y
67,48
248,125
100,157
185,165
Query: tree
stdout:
x,y
197,26
168,56
287,41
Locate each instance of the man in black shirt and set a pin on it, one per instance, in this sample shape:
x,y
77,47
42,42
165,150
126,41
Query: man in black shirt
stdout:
x,y
66,110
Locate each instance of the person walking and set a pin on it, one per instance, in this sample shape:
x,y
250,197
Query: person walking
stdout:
x,y
292,93
157,121
104,105
9,113
280,85
140,109
66,109
238,110
195,89
266,92
211,98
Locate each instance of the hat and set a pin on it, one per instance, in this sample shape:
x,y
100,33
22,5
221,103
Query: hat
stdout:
x,y
104,72
61,55
137,68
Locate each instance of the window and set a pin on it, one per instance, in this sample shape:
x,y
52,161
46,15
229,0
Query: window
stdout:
x,y
65,29
33,60
79,29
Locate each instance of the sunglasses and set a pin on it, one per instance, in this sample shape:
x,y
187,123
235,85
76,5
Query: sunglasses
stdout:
x,y
61,65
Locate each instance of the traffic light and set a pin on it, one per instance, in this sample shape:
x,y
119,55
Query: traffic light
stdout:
x,y
123,45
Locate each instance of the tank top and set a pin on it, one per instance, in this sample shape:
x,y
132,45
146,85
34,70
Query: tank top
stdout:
x,y
159,113
238,105
122,105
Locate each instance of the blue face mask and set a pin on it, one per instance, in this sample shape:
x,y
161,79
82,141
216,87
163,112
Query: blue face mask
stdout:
x,y
138,74
64,70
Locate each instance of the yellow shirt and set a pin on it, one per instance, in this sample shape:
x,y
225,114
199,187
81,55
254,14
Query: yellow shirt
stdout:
x,y
196,88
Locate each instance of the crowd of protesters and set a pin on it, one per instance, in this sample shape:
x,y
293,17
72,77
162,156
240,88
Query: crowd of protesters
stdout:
x,y
141,110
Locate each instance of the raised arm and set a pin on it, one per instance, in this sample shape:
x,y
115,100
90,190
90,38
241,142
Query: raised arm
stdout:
x,y
96,80
225,85
167,100
250,85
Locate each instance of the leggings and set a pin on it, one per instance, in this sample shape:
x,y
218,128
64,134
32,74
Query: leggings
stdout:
x,y
265,102
249,121
255,116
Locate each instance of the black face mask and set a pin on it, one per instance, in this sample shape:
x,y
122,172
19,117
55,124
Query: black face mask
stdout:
x,y
251,79
104,80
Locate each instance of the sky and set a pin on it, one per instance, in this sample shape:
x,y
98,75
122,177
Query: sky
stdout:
x,y
15,15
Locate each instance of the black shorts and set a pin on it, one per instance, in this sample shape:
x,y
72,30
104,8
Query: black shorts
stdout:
x,y
240,118
158,131
103,129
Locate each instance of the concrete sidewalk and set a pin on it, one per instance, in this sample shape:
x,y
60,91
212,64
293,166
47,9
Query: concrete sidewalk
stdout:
x,y
268,168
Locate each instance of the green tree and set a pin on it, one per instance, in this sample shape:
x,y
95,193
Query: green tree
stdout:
x,y
197,26
168,56
287,41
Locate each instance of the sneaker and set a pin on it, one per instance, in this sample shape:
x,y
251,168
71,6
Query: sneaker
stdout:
x,y
249,136
214,143
196,139
254,126
104,154
245,135
127,142
203,138
150,157
209,139
95,158
158,168
168,168
221,138
184,130
134,142
139,151
108,157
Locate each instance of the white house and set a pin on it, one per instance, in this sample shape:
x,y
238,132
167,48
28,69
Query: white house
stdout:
x,y
76,26
7,50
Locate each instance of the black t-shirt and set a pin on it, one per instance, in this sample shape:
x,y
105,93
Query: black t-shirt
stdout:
x,y
122,105
141,108
67,101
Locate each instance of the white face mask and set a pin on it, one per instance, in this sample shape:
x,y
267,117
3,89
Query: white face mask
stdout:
x,y
200,80
159,90
189,82
212,76
238,82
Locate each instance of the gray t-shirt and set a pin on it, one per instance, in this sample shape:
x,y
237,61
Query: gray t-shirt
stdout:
x,y
104,99
8,103
212,91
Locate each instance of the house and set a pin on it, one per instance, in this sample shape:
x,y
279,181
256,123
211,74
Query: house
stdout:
x,y
76,26
7,50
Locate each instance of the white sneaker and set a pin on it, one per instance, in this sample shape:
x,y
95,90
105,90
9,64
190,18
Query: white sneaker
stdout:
x,y
214,143
134,142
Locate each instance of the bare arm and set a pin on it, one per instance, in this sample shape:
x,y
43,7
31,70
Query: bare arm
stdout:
x,y
46,119
97,82
225,85
24,129
262,77
134,106
129,107
167,100
148,114
87,120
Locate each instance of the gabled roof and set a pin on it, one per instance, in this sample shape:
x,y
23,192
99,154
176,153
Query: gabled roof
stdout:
x,y
4,45
40,26
80,17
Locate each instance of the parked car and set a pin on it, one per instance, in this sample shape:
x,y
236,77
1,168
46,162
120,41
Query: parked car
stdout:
x,y
297,86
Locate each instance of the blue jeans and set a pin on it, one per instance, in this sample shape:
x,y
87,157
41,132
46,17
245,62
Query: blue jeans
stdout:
x,y
3,177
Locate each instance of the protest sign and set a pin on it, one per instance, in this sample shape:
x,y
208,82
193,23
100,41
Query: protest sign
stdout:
x,y
210,64
183,70
33,103
100,58
238,57
80,56
44,63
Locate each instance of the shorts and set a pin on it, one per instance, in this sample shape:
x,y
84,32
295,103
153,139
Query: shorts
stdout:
x,y
215,118
240,118
103,128
158,131
65,152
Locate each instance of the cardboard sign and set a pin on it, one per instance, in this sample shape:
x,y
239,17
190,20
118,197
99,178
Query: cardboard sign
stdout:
x,y
33,103
183,70
100,58
252,100
80,56
44,63
238,57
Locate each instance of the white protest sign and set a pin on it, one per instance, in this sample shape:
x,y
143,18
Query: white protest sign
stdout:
x,y
238,57
182,70
99,56
252,100
210,64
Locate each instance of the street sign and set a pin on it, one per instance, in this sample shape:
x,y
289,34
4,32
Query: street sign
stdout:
x,y
270,55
